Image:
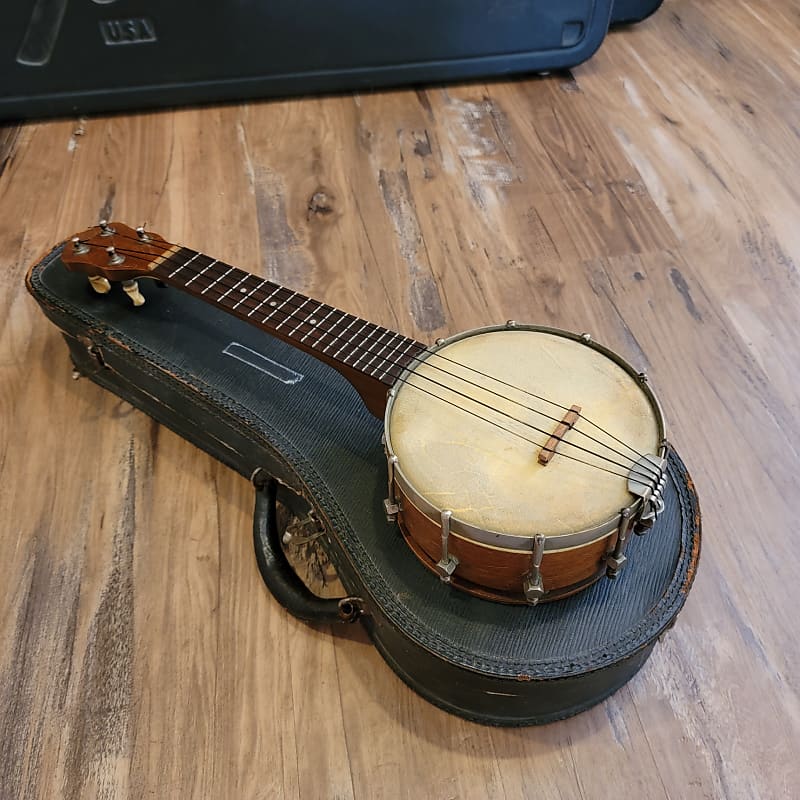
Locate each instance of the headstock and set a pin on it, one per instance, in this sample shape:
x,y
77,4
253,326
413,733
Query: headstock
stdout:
x,y
112,251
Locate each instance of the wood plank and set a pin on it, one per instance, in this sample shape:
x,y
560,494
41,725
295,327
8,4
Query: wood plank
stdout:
x,y
650,197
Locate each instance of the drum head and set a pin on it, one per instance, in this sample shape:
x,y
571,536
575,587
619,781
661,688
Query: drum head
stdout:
x,y
468,424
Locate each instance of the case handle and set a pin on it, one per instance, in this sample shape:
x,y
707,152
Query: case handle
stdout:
x,y
279,576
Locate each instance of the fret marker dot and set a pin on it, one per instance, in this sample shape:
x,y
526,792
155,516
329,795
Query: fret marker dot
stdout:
x,y
312,322
273,303
243,290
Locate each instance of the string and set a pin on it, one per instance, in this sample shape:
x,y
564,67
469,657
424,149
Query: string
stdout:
x,y
633,467
368,350
550,402
289,315
517,434
530,394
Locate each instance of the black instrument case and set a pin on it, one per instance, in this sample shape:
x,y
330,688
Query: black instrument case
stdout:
x,y
65,58
300,432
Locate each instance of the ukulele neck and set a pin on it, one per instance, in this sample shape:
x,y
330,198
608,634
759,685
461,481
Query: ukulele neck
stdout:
x,y
369,356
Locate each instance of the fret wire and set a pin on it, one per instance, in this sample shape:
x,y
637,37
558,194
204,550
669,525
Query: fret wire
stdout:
x,y
309,320
279,307
259,284
367,344
353,346
368,351
368,348
342,316
249,295
410,344
215,266
234,286
350,342
217,280
376,354
340,334
319,323
391,358
265,300
202,272
207,282
380,330
183,266
207,274
332,330
291,314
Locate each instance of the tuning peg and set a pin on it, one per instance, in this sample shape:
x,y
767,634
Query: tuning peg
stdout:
x,y
132,290
105,229
79,247
99,284
142,234
114,257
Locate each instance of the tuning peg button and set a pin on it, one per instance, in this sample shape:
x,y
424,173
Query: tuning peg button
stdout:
x,y
114,257
132,290
79,247
100,284
142,234
105,228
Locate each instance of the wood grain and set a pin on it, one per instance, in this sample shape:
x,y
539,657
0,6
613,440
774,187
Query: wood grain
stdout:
x,y
650,197
481,567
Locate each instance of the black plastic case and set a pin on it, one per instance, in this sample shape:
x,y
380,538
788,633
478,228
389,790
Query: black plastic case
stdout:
x,y
64,58
626,12
296,427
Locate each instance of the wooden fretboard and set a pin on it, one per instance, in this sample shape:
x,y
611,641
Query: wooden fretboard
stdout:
x,y
369,356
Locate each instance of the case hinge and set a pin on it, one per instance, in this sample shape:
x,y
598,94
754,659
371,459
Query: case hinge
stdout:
x,y
94,350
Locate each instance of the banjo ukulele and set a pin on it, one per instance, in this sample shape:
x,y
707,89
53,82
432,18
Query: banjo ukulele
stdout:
x,y
521,459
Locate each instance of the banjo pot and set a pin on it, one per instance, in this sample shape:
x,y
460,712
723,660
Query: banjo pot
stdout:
x,y
521,459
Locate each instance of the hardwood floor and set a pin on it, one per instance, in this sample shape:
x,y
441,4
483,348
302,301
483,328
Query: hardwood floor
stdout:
x,y
651,196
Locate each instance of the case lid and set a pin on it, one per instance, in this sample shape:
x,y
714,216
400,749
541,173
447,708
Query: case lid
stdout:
x,y
58,57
